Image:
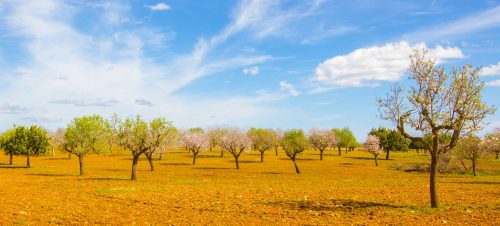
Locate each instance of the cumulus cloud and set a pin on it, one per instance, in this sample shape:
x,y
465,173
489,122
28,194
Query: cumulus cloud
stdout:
x,y
287,87
369,66
491,70
143,102
251,70
159,7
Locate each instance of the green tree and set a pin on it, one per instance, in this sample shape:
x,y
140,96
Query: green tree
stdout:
x,y
294,142
470,148
262,140
20,140
162,134
9,144
390,140
139,137
345,139
436,103
87,134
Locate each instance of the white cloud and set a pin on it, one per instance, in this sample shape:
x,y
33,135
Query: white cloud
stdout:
x,y
287,87
159,7
491,70
368,66
7,108
484,20
251,70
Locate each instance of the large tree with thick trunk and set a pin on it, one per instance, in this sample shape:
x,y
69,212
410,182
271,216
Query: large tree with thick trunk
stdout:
x,y
436,103
84,135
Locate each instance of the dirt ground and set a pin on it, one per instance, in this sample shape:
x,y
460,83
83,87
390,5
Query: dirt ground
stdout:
x,y
347,190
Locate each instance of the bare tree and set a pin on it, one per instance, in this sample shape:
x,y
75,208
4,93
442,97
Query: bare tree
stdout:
x,y
374,147
235,142
162,135
322,140
277,136
195,142
56,139
435,104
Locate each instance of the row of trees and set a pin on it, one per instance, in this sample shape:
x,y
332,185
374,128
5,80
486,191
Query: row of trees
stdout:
x,y
94,134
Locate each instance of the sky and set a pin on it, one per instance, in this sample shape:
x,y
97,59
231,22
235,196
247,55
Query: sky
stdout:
x,y
248,63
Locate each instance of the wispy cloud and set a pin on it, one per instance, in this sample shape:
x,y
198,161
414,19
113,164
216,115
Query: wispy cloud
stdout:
x,y
143,102
491,70
289,88
484,20
7,108
86,103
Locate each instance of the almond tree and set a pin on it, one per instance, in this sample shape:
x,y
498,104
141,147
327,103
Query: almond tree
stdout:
x,y
195,142
436,103
215,138
322,140
470,148
374,147
492,142
56,139
235,142
87,134
262,140
162,134
27,141
139,137
277,136
294,142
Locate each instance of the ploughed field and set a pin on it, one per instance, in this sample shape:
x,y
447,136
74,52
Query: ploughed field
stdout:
x,y
347,189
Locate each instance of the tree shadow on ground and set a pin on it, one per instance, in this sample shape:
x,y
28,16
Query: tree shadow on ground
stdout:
x,y
473,182
368,158
300,159
63,158
248,161
102,178
332,205
212,168
50,174
12,167
275,173
206,156
114,170
175,164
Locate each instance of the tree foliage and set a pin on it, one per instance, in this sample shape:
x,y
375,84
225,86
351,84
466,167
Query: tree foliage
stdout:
x,y
262,140
236,142
195,142
374,146
322,139
25,141
390,140
294,142
438,102
470,148
87,134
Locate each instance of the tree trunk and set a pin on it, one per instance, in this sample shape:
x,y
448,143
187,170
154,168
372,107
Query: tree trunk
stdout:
x,y
340,151
80,159
346,150
433,174
161,155
321,154
376,163
261,156
10,158
134,166
53,152
276,150
69,156
28,164
463,164
387,155
222,152
194,157
237,163
474,167
296,166
150,160
497,154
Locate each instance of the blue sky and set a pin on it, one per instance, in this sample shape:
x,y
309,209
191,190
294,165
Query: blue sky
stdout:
x,y
264,63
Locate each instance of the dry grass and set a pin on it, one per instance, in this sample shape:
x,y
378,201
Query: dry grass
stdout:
x,y
338,190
